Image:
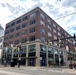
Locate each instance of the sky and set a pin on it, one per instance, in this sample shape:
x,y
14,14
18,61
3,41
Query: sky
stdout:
x,y
62,11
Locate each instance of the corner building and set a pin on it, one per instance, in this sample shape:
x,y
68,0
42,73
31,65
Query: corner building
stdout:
x,y
31,31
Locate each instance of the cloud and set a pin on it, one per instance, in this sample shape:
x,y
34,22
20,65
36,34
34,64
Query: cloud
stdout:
x,y
12,9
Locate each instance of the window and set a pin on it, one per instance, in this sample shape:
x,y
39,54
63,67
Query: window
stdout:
x,y
18,21
42,23
49,27
32,38
0,46
1,40
42,38
49,21
32,30
42,48
12,30
42,16
6,38
49,34
55,43
54,25
12,24
59,34
32,48
25,18
54,30
32,15
8,26
55,37
56,51
50,50
32,21
6,32
11,42
17,28
11,36
58,28
24,25
42,30
61,52
23,40
16,42
24,49
17,34
24,32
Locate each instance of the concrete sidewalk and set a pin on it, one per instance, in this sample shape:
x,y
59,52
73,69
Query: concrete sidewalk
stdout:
x,y
69,70
60,68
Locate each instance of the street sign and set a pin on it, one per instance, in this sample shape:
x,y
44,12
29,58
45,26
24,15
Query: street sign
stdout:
x,y
19,52
59,59
40,58
6,48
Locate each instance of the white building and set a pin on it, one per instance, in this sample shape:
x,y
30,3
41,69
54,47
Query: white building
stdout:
x,y
1,39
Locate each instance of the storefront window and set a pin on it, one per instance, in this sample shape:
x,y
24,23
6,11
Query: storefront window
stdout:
x,y
42,48
56,57
56,51
15,53
23,51
43,55
50,56
50,50
32,50
61,52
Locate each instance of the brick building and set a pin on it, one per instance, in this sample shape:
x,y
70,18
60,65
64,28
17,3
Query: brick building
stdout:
x,y
32,26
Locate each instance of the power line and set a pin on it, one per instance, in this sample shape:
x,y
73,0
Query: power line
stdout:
x,y
66,15
65,5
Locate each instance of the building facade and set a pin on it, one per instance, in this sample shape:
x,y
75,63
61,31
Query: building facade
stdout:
x,y
37,53
36,25
1,40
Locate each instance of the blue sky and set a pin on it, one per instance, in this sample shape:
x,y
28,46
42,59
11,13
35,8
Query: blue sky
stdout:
x,y
56,9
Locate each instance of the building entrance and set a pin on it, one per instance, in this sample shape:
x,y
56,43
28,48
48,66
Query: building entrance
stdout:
x,y
31,62
43,62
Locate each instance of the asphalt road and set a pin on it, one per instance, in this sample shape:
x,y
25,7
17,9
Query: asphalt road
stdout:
x,y
36,71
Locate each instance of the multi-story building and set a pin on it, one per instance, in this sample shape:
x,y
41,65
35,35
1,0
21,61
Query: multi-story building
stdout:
x,y
1,39
31,31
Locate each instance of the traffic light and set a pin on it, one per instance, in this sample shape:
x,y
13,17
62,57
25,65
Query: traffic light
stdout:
x,y
74,36
17,46
19,55
48,41
58,40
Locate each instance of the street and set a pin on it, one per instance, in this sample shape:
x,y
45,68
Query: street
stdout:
x,y
36,71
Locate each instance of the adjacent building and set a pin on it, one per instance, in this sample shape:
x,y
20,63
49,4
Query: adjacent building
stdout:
x,y
1,39
31,32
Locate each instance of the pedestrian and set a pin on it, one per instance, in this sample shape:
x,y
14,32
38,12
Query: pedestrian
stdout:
x,y
74,65
5,64
19,61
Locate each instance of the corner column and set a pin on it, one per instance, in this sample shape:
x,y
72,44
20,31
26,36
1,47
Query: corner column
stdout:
x,y
27,55
38,54
65,59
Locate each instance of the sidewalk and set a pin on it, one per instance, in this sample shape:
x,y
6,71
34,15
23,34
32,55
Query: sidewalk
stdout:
x,y
69,70
64,69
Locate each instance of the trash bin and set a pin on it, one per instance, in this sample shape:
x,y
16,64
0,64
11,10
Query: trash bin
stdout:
x,y
12,64
70,66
